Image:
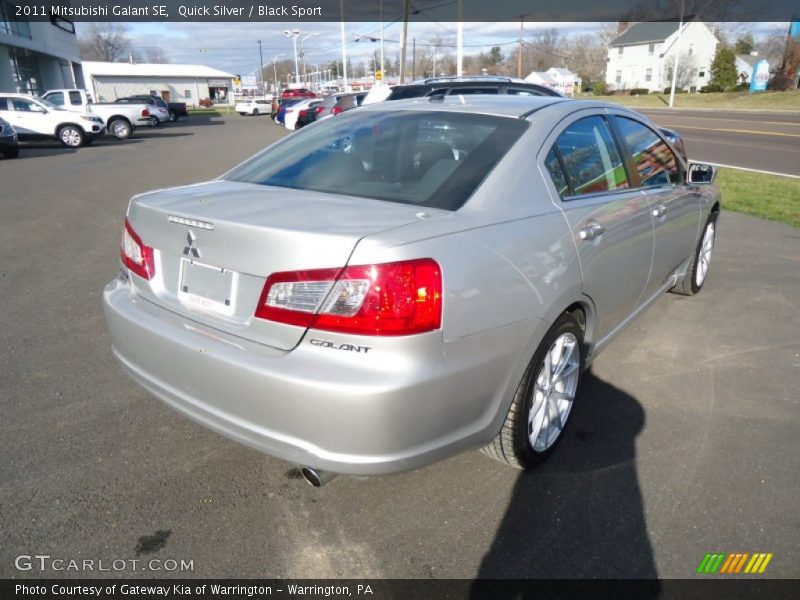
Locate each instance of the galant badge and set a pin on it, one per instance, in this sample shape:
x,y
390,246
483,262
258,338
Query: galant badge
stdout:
x,y
191,249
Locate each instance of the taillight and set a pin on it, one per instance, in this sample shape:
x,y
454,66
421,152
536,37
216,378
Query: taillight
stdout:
x,y
336,110
135,255
146,112
399,298
318,109
302,113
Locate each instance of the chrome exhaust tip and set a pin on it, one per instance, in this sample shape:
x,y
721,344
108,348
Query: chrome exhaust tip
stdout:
x,y
316,477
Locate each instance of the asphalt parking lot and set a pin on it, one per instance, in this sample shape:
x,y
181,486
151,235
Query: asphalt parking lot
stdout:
x,y
685,439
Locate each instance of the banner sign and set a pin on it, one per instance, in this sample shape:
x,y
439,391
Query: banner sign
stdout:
x,y
760,76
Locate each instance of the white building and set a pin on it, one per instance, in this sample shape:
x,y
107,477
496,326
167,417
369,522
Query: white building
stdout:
x,y
559,79
108,81
744,66
36,56
643,56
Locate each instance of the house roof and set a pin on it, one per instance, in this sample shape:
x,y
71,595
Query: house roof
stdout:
x,y
152,70
541,77
561,71
643,33
748,58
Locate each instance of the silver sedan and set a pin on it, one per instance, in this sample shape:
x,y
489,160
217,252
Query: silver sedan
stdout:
x,y
409,280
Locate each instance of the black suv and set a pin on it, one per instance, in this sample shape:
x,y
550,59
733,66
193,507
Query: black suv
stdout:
x,y
443,86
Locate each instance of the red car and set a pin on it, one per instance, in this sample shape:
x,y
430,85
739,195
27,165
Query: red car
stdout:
x,y
298,93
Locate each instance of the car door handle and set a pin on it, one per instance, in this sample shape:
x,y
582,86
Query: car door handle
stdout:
x,y
659,211
591,232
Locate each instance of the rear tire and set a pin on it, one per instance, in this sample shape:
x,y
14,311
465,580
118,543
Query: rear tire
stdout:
x,y
70,136
173,116
544,399
120,129
697,271
153,121
13,153
255,112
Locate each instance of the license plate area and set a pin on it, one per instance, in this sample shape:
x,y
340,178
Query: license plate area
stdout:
x,y
207,288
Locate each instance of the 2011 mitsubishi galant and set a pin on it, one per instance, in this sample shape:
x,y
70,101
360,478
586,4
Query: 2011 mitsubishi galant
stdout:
x,y
384,289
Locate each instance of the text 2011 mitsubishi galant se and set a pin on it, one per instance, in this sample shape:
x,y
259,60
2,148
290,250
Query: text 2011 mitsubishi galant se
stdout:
x,y
408,280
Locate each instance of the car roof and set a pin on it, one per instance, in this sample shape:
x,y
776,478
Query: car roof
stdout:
x,y
499,105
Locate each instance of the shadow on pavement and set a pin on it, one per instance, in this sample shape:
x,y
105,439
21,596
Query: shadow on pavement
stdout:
x,y
580,515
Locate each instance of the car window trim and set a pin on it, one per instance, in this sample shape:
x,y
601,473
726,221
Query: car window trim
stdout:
x,y
628,162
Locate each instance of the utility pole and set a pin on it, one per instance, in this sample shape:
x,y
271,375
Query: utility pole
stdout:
x,y
383,69
434,61
344,49
403,42
460,40
261,72
413,58
675,65
519,52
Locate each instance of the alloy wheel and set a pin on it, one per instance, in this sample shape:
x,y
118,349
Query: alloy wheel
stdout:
x,y
554,392
704,255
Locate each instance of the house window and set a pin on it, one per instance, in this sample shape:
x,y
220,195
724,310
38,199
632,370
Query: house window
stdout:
x,y
651,49
648,75
153,93
691,49
187,94
619,51
619,77
702,73
669,73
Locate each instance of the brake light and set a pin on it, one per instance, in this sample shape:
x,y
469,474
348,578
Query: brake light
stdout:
x,y
399,298
145,112
336,110
135,255
318,109
302,113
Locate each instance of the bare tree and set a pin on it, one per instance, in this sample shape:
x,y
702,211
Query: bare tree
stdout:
x,y
686,71
108,42
156,55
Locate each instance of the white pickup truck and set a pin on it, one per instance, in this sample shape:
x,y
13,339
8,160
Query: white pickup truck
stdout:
x,y
121,119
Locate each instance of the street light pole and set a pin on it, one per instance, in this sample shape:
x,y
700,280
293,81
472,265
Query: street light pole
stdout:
x,y
303,53
675,65
293,33
344,49
261,72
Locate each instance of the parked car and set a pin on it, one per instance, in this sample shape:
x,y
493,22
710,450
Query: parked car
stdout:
x,y
297,93
177,110
409,280
159,111
306,116
37,119
338,103
290,116
9,146
462,86
121,119
286,103
253,106
277,103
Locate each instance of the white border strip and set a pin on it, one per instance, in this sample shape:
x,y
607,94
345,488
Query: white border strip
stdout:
x,y
692,160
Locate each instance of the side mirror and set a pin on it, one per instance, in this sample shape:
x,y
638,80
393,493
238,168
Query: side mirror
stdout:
x,y
38,109
700,173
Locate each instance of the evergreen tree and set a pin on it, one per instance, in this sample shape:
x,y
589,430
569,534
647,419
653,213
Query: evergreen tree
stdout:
x,y
723,67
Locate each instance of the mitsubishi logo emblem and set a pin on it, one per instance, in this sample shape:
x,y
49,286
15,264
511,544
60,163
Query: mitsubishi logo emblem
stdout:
x,y
191,249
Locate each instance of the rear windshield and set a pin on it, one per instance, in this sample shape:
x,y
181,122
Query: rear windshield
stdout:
x,y
432,159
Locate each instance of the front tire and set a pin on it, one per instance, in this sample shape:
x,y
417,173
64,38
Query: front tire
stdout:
x,y
544,398
697,271
153,121
120,129
71,136
255,112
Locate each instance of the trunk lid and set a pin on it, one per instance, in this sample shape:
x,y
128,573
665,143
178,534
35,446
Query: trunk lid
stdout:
x,y
216,243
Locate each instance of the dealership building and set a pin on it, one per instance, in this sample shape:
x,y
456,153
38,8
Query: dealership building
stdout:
x,y
36,56
107,81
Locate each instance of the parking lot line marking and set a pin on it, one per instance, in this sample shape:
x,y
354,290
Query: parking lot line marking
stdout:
x,y
750,131
744,169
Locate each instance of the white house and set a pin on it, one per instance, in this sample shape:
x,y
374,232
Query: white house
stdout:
x,y
565,80
744,66
643,56
541,78
108,81
36,56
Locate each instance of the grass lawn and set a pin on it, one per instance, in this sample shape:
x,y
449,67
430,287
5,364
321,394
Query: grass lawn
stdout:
x,y
216,111
779,101
766,196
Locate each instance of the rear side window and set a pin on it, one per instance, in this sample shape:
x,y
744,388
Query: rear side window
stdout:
x,y
472,91
75,98
426,158
56,98
655,162
523,92
590,157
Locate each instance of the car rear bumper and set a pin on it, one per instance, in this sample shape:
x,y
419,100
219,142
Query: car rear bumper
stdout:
x,y
363,415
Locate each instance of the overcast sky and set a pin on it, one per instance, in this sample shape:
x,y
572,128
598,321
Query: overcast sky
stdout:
x,y
233,47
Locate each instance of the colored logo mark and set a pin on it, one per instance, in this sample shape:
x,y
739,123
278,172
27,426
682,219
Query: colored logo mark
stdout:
x,y
734,563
